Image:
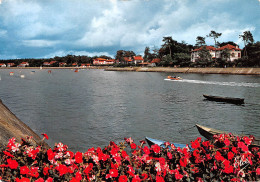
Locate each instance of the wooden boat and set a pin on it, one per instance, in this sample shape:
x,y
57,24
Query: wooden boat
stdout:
x,y
152,141
210,132
174,78
224,99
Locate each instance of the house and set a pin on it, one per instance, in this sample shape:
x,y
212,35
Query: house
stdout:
x,y
102,61
10,64
2,65
23,64
75,64
233,51
195,52
52,62
138,59
155,61
46,64
62,64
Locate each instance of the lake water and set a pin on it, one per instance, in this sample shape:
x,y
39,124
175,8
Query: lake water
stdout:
x,y
92,107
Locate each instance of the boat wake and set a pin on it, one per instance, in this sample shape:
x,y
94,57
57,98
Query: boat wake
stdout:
x,y
234,84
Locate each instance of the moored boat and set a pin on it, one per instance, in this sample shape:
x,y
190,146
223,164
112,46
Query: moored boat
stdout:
x,y
210,132
224,99
152,141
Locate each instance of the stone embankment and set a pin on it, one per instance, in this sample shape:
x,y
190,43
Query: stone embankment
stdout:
x,y
237,71
11,126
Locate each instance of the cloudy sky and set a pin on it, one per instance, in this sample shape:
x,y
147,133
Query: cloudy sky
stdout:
x,y
48,28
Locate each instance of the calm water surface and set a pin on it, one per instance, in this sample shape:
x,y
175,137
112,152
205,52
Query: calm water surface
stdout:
x,y
92,107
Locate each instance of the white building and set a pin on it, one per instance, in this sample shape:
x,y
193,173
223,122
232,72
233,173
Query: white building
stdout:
x,y
233,51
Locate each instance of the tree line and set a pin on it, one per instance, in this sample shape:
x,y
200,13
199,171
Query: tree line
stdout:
x,y
172,53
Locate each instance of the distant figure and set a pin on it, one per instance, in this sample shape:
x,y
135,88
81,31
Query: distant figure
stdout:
x,y
49,71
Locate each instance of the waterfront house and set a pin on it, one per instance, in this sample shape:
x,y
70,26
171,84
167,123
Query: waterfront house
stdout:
x,y
23,64
46,64
53,62
10,64
74,64
2,65
234,52
102,61
138,59
62,64
195,52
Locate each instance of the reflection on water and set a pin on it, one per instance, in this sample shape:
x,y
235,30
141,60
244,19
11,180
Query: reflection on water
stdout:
x,y
91,107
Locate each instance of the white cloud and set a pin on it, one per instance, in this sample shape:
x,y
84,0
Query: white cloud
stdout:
x,y
61,53
39,43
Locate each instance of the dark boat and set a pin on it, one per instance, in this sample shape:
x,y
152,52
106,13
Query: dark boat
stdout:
x,y
224,99
152,141
210,132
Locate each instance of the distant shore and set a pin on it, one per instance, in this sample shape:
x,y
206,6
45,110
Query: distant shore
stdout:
x,y
235,71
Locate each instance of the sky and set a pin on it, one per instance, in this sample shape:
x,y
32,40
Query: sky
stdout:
x,y
49,28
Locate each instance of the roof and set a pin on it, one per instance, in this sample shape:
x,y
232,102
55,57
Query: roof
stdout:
x,y
138,58
110,60
156,60
207,47
100,59
228,46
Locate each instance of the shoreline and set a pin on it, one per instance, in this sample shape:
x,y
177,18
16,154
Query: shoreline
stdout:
x,y
233,71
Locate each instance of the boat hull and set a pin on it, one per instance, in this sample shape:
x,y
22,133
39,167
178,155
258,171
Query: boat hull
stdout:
x,y
210,132
224,99
152,141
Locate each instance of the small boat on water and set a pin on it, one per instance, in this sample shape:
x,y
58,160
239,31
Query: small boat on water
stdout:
x,y
210,132
22,76
152,141
174,78
224,99
11,73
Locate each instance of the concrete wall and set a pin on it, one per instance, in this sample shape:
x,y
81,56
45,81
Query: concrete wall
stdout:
x,y
237,71
11,126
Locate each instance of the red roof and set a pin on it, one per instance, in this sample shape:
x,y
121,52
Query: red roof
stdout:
x,y
207,47
230,47
52,62
156,60
138,58
100,59
128,59
111,60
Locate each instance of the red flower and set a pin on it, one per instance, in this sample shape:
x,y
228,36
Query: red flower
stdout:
x,y
46,171
50,154
145,176
45,136
113,172
159,179
228,169
178,175
49,179
34,172
227,142
183,162
218,156
196,143
258,171
62,169
169,155
88,168
230,155
242,146
123,178
133,146
156,148
247,140
78,157
136,178
24,170
78,176
39,180
146,150
12,163
8,154
22,180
